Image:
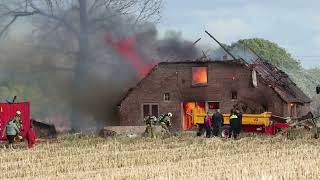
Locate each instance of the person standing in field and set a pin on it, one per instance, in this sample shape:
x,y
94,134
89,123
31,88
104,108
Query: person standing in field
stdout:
x,y
18,121
165,122
31,137
233,124
150,125
11,131
208,125
217,122
239,122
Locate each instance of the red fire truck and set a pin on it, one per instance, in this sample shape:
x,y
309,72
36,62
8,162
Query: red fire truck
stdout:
x,y
9,109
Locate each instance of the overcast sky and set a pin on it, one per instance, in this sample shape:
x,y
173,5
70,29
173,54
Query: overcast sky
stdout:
x,y
293,24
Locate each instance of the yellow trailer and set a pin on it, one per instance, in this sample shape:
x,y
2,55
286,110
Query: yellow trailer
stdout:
x,y
247,119
260,123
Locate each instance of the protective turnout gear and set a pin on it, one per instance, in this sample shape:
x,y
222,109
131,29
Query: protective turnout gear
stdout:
x,y
150,120
165,122
31,137
20,138
150,126
17,120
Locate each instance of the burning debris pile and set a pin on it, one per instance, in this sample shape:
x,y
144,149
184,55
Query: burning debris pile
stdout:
x,y
44,130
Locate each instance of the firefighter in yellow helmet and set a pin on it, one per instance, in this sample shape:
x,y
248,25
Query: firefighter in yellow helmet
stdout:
x,y
150,125
165,122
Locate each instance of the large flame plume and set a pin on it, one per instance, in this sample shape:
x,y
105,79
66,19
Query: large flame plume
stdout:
x,y
127,50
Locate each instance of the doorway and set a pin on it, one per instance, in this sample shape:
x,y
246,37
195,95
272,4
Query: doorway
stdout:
x,y
188,107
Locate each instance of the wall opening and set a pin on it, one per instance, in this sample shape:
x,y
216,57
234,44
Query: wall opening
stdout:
x,y
199,75
234,95
150,108
166,97
188,109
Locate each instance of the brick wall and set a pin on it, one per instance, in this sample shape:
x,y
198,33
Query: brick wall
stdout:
x,y
176,79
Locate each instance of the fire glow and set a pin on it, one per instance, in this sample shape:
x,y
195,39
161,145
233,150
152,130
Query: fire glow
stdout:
x,y
126,49
187,107
199,75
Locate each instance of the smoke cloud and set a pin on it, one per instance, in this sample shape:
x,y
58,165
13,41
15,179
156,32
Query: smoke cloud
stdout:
x,y
40,68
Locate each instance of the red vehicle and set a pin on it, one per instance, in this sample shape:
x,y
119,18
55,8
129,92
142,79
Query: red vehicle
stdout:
x,y
8,110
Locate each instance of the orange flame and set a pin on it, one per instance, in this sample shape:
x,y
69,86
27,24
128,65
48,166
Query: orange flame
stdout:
x,y
199,75
187,107
126,48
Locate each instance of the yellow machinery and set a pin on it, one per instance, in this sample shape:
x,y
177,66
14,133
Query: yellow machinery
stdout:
x,y
247,119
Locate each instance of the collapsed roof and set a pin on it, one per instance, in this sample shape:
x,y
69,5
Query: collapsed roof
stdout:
x,y
271,75
280,82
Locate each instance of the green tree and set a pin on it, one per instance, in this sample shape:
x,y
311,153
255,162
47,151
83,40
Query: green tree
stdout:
x,y
270,51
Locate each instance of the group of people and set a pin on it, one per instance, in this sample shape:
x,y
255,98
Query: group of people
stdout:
x,y
151,121
13,128
213,123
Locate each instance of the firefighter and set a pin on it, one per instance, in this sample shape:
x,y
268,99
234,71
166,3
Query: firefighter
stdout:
x,y
31,136
18,121
165,122
234,121
11,131
239,122
150,125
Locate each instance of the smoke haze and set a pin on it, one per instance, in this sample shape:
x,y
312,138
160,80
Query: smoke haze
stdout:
x,y
40,68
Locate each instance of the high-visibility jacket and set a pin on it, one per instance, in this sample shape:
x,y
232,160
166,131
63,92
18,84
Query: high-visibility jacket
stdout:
x,y
233,116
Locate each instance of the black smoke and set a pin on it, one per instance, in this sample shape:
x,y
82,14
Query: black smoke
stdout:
x,y
42,66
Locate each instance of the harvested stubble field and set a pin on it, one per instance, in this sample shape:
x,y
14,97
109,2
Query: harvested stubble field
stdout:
x,y
89,157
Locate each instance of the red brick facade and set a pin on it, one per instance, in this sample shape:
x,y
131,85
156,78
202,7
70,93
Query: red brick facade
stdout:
x,y
224,77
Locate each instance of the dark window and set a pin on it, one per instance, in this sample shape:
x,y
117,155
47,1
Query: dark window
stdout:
x,y
146,110
213,105
153,108
166,97
199,75
234,95
265,107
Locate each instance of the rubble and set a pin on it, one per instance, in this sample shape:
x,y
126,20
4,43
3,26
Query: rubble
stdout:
x,y
44,130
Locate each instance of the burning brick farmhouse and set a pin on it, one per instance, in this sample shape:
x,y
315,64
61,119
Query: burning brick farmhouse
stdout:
x,y
179,87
